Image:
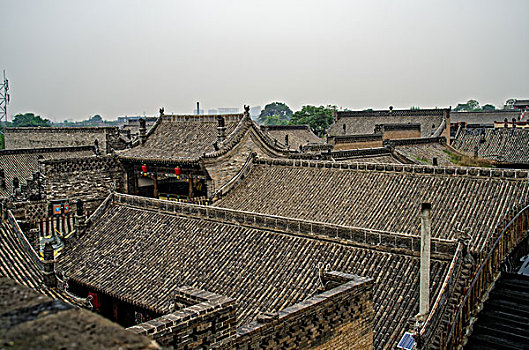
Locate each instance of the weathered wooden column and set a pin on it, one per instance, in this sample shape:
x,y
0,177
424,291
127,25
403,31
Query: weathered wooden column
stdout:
x,y
155,185
424,287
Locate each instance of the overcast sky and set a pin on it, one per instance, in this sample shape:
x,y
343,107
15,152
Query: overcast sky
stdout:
x,y
73,59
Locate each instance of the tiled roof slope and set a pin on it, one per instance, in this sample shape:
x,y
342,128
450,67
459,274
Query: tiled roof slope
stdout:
x,y
350,194
363,122
484,117
423,153
22,163
181,137
18,265
141,255
502,145
298,135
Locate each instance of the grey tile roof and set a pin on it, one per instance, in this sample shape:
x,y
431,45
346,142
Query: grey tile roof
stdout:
x,y
352,195
141,255
502,145
181,137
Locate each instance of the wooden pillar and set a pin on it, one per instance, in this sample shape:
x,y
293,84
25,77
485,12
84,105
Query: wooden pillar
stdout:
x,y
155,183
136,184
190,187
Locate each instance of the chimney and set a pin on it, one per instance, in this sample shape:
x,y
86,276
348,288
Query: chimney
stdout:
x,y
48,273
514,122
434,161
221,129
505,123
143,135
286,140
80,219
424,287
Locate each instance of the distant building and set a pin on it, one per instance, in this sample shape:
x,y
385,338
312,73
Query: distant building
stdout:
x,y
212,111
521,104
228,110
199,112
255,112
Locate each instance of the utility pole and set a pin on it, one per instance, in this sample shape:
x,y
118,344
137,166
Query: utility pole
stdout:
x,y
4,101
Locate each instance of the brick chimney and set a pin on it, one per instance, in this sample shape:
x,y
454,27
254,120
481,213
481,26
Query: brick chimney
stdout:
x,y
142,131
80,219
48,265
221,130
424,286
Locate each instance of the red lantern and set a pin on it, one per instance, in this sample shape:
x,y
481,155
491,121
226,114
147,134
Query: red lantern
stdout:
x,y
177,171
144,168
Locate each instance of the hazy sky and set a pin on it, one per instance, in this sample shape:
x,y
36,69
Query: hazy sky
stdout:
x,y
73,59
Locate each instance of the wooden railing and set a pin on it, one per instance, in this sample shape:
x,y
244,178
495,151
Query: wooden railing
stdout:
x,y
513,232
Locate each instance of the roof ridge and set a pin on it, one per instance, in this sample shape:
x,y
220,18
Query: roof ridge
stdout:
x,y
46,149
508,174
238,133
386,241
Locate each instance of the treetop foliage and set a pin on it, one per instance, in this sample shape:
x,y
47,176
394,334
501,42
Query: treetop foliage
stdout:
x,y
29,120
275,113
318,118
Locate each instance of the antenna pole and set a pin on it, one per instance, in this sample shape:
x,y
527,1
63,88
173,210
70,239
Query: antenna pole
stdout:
x,y
4,101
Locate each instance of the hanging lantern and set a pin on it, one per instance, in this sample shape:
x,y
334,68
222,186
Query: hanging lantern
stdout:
x,y
144,168
177,172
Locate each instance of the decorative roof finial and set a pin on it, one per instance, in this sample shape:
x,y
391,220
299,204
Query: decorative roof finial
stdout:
x,y
161,111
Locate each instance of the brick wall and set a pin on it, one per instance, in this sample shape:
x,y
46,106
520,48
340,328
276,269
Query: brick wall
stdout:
x,y
357,145
401,134
207,321
61,137
341,317
89,178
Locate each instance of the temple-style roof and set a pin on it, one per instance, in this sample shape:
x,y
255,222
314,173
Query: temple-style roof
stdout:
x,y
384,196
502,145
22,163
181,137
298,135
139,250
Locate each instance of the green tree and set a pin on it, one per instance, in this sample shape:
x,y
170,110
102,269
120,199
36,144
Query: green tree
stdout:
x,y
318,118
29,119
96,119
274,120
275,108
471,105
2,142
488,107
